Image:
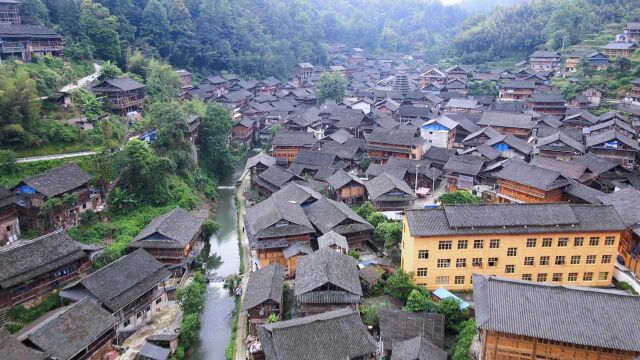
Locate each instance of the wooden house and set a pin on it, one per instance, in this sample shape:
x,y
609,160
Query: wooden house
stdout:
x,y
547,104
132,288
516,90
619,49
292,255
519,125
457,73
616,124
330,215
594,95
544,61
559,146
259,163
243,131
327,280
275,224
273,179
508,320
579,120
509,146
122,95
422,171
432,76
9,225
597,61
172,238
634,96
385,143
462,171
64,193
193,124
285,145
297,338
186,78
267,86
398,329
10,12
462,105
523,183
81,331
615,146
388,193
263,296
347,188
632,31
456,86
45,263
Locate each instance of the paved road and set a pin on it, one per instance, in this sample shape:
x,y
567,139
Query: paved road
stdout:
x,y
84,81
54,156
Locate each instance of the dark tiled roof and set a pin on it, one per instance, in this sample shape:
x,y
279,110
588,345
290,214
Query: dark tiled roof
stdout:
x,y
154,352
261,158
10,31
261,219
340,136
303,139
611,135
314,158
519,84
570,170
514,142
124,280
504,119
438,154
385,183
297,248
264,285
627,204
174,229
333,238
327,266
12,349
464,164
6,197
397,325
417,348
338,334
73,330
546,142
59,180
277,177
37,257
341,178
547,98
513,219
122,84
391,136
536,177
585,193
298,193
575,315
596,164
329,215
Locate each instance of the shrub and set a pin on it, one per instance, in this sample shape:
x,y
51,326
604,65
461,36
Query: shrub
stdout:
x,y
354,254
400,284
87,217
464,340
209,228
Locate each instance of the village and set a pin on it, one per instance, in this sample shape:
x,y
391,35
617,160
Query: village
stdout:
x,y
409,212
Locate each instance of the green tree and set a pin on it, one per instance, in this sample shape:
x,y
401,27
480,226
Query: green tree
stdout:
x,y
209,228
191,297
400,284
7,161
584,67
213,135
364,163
109,71
101,28
464,340
88,103
623,64
365,210
154,25
459,197
482,88
330,86
419,301
390,232
179,19
450,308
36,10
163,84
189,328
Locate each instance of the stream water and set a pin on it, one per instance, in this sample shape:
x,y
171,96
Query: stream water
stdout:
x,y
224,260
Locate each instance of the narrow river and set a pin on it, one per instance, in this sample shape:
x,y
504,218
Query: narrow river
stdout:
x,y
224,260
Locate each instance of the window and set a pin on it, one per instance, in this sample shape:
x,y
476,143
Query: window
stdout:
x,y
458,280
610,240
423,254
510,269
476,262
588,276
462,244
512,251
544,260
562,242
461,263
492,261
591,259
546,242
542,277
127,323
531,243
442,280
603,275
606,259
575,260
444,263
158,301
528,261
444,245
572,277
421,272
478,244
526,277
579,241
560,260
594,241
557,277
138,315
494,243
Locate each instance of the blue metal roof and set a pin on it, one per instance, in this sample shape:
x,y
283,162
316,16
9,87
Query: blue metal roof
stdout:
x,y
442,293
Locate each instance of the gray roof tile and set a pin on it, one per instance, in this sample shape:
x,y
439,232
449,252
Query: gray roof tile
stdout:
x,y
264,285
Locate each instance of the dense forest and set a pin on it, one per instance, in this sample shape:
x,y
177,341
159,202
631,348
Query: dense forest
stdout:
x,y
267,37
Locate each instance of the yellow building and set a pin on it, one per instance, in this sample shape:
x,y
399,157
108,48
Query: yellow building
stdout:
x,y
550,243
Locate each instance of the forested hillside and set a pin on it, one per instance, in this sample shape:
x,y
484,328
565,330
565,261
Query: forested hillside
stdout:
x,y
518,30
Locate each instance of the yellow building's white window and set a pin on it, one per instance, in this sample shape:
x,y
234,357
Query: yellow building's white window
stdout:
x,y
423,254
579,241
531,242
492,261
529,261
542,277
421,272
588,276
462,244
442,280
546,242
572,277
494,243
459,280
610,240
557,277
510,269
461,263
526,277
544,260
594,241
444,245
512,251
606,259
591,259
575,260
603,275
560,260
444,263
478,244
476,262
